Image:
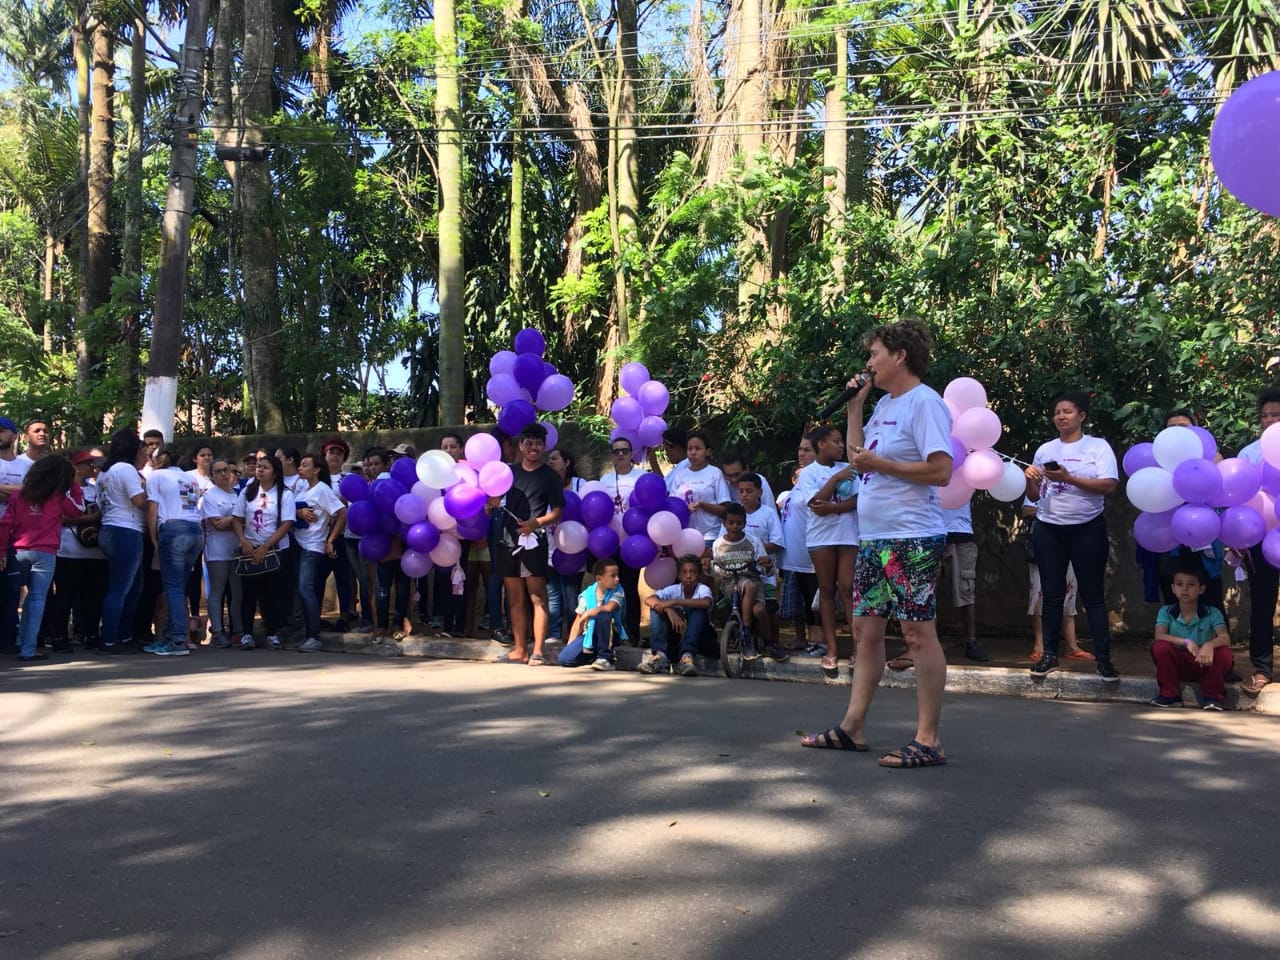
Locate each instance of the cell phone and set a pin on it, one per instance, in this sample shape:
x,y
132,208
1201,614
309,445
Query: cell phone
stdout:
x,y
1052,465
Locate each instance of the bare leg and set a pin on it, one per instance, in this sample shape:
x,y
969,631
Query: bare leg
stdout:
x,y
824,567
1037,631
1069,633
931,676
846,558
868,646
537,589
518,611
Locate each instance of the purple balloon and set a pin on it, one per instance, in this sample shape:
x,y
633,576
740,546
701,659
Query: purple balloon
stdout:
x,y
388,523
354,488
1271,547
1240,481
385,492
1154,531
462,501
409,509
651,430
1197,481
529,372
958,454
1138,456
681,509
515,416
1207,443
568,563
375,545
502,389
422,537
635,521
632,377
405,469
502,362
1195,526
473,528
650,492
530,340
1242,527
637,551
556,392
1270,479
602,542
1244,143
653,397
362,517
572,507
626,413
597,509
415,563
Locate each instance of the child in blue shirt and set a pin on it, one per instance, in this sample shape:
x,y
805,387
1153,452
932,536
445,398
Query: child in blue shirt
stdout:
x,y
598,622
1191,643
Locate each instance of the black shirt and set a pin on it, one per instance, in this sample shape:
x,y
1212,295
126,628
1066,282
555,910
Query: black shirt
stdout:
x,y
533,494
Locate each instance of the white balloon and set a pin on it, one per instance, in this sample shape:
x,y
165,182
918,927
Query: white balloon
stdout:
x,y
591,486
1012,486
1173,445
435,469
1151,488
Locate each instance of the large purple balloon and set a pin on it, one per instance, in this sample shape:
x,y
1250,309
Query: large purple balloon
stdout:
x,y
1271,547
626,413
410,509
681,509
354,487
1242,527
653,397
597,509
375,545
385,492
650,431
529,372
1270,479
958,454
515,416
1197,481
530,340
638,551
572,509
422,537
1240,481
362,517
1245,143
556,392
650,492
632,377
502,362
1138,456
1207,443
502,389
415,563
567,563
1154,531
602,542
635,521
473,528
388,523
405,469
463,501
1195,526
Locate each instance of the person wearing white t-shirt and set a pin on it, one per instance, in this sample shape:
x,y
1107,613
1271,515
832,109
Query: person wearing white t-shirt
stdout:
x,y
701,486
326,517
619,483
173,524
681,609
734,466
347,567
765,525
1264,580
220,544
1069,480
901,455
262,519
799,583
121,498
201,475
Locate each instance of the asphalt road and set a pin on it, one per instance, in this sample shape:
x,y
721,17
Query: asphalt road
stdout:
x,y
275,805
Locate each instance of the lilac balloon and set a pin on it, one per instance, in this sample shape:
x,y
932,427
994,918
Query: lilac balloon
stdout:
x,y
958,454
597,509
664,527
405,469
638,551
633,376
690,541
1242,527
502,389
1240,481
553,435
463,501
1271,547
466,474
661,573
681,509
530,340
385,492
502,362
1197,481
626,413
422,537
1195,526
650,492
528,372
354,488
1270,479
375,545
515,416
482,448
1207,442
1154,531
1244,143
1138,456
569,563
572,506
571,536
362,517
440,516
635,521
496,478
653,397
602,542
650,431
415,564
410,510
556,392
447,552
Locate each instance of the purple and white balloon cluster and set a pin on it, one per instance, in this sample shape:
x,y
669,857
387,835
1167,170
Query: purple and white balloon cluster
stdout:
x,y
1187,499
638,416
975,430
431,505
521,384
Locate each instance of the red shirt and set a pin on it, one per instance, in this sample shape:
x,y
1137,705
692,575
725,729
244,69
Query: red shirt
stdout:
x,y
32,527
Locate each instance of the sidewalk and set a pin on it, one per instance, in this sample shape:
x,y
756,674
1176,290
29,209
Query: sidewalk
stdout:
x,y
1005,675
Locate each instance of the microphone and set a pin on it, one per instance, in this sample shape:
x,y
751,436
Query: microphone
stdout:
x,y
860,380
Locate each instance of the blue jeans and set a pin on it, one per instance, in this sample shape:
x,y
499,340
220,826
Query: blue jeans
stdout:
x,y
10,591
123,548
180,543
340,567
562,599
36,573
661,631
575,655
311,571
1084,546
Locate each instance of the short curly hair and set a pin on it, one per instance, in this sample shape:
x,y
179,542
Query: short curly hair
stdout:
x,y
908,335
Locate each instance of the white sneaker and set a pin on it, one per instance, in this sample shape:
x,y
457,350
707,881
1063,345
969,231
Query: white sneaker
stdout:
x,y
276,643
602,664
246,642
311,645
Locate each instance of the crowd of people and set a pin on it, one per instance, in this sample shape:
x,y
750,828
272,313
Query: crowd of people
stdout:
x,y
136,549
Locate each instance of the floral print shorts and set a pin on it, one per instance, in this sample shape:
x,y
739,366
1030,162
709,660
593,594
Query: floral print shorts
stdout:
x,y
898,577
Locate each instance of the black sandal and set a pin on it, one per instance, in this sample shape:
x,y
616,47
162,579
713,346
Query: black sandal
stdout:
x,y
841,741
914,754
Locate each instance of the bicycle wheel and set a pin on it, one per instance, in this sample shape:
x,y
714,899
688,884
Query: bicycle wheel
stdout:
x,y
731,648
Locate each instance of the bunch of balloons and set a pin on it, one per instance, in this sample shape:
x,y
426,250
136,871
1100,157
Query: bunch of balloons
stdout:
x,y
1186,498
522,384
1245,143
431,505
638,415
975,430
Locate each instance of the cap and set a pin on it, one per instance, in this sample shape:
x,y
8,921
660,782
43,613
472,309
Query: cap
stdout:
x,y
81,456
335,442
404,450
7,424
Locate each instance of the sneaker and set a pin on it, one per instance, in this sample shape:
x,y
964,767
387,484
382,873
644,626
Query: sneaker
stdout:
x,y
815,649
246,642
748,643
1109,673
504,638
276,643
973,651
154,646
176,649
602,664
1162,701
687,668
221,641
775,652
655,662
1211,704
437,623
311,645
1046,665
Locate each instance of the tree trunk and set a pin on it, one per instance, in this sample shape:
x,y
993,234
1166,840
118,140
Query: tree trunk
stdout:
x,y
626,205
81,32
131,262
450,284
835,157
161,394
101,179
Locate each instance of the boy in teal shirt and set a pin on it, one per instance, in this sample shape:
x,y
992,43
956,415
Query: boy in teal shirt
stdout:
x,y
1191,643
598,622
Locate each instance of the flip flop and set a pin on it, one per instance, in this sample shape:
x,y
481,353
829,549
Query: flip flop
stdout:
x,y
1080,655
1253,686
537,660
841,741
914,754
901,663
831,667
508,658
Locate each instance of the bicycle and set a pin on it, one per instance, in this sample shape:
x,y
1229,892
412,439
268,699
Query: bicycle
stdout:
x,y
732,658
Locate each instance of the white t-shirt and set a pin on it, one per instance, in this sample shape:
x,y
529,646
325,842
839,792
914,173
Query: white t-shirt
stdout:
x,y
765,525
676,592
766,492
620,485
219,544
725,552
959,519
176,495
261,517
795,514
116,489
204,483
833,530
706,485
910,428
1064,504
68,546
13,472
295,485
327,505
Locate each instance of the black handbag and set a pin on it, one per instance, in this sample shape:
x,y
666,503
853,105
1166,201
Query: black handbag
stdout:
x,y
245,567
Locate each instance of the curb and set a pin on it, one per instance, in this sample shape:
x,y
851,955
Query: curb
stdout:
x,y
990,681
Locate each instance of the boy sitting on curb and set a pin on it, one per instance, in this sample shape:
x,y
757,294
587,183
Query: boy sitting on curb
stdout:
x,y
683,609
598,622
1191,643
